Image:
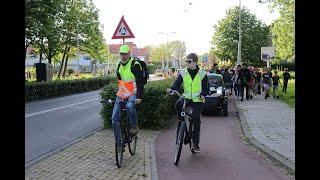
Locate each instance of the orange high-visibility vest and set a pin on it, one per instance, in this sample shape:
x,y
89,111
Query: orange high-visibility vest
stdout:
x,y
127,85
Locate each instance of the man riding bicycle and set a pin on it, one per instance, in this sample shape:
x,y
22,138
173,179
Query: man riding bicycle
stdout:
x,y
130,87
195,85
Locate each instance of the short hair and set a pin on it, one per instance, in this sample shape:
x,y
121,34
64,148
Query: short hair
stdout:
x,y
215,64
192,56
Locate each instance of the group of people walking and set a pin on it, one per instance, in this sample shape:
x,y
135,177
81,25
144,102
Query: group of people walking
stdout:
x,y
250,81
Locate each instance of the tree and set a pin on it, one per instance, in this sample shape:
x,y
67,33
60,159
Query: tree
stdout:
x,y
254,35
283,29
178,50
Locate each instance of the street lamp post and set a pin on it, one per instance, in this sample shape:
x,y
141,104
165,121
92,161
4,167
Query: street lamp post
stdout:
x,y
167,46
78,64
239,42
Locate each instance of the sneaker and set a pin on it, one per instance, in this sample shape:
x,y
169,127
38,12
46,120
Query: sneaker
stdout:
x,y
196,148
135,130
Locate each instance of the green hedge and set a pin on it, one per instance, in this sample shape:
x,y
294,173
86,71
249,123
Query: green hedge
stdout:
x,y
151,68
47,89
155,110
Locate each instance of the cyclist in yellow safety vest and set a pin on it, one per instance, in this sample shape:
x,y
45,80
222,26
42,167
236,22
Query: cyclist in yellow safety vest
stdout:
x,y
195,86
130,87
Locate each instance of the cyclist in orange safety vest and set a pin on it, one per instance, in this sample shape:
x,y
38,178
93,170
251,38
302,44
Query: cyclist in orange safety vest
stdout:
x,y
130,87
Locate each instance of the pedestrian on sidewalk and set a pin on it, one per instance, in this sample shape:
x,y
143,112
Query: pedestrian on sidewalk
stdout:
x,y
286,77
244,77
275,83
266,79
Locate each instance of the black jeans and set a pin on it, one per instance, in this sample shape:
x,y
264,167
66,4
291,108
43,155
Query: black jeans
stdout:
x,y
196,112
285,85
244,85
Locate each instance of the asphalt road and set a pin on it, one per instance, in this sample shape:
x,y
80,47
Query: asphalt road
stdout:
x,y
54,123
224,154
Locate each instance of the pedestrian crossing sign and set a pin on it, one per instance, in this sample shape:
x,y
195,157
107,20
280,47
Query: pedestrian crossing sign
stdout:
x,y
122,31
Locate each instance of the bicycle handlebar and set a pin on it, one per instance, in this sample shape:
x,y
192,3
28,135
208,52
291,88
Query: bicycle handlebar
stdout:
x,y
176,92
110,101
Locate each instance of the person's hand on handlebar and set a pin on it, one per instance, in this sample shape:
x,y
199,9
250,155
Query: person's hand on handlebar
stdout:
x,y
202,97
169,90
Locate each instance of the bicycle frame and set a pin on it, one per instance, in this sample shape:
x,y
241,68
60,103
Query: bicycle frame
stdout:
x,y
183,131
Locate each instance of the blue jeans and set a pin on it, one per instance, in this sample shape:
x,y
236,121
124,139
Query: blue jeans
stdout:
x,y
131,111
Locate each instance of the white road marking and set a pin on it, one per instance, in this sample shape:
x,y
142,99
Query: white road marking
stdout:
x,y
61,107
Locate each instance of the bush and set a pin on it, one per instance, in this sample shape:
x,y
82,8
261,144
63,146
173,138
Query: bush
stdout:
x,y
70,71
151,68
46,89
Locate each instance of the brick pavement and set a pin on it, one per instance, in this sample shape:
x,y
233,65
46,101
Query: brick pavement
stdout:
x,y
93,158
269,124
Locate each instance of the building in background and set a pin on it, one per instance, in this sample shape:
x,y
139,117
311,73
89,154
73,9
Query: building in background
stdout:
x,y
86,63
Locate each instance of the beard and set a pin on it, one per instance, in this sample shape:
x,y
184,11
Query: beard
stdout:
x,y
124,61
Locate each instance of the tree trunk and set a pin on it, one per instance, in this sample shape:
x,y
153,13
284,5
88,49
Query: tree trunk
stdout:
x,y
62,62
66,64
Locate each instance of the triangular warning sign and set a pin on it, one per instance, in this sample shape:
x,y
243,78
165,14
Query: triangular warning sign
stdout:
x,y
122,30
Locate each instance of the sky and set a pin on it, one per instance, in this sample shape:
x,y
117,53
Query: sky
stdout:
x,y
192,24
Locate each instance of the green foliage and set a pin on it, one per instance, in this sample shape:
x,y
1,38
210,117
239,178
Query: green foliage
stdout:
x,y
283,30
155,110
151,68
254,35
46,89
288,97
70,71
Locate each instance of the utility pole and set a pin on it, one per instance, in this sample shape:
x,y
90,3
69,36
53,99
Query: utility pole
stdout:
x,y
167,46
239,42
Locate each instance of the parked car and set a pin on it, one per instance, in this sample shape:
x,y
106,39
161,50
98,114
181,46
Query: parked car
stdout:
x,y
217,100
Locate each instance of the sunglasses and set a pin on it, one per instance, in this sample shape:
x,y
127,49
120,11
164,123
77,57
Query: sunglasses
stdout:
x,y
189,61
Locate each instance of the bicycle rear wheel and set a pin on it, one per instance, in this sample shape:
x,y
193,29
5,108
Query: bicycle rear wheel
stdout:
x,y
179,141
119,148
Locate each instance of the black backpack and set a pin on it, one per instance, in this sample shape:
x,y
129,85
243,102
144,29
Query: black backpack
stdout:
x,y
145,73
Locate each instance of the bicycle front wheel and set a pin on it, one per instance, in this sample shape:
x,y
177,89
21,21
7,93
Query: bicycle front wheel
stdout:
x,y
132,144
179,141
119,146
191,135
131,139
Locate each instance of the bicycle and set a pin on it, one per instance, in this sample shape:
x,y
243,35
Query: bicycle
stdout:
x,y
184,130
123,134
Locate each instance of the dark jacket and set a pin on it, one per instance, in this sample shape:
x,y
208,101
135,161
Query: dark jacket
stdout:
x,y
218,71
244,73
205,87
139,80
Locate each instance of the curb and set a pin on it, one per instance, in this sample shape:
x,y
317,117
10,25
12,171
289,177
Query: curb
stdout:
x,y
154,172
252,141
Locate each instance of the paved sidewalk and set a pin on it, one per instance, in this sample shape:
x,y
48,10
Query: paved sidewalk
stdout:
x,y
93,158
269,124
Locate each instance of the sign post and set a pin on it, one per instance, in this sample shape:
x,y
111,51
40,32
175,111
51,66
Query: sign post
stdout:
x,y
267,54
